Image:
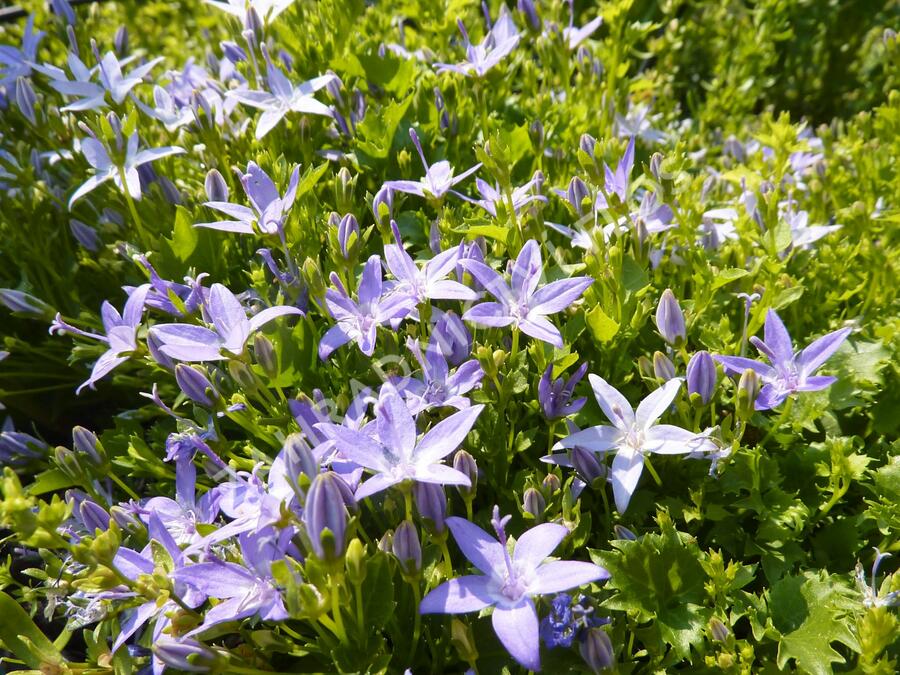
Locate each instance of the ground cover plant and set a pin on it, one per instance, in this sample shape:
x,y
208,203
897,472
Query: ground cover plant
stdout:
x,y
445,336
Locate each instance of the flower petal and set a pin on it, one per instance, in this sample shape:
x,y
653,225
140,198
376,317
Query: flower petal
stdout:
x,y
541,329
561,575
491,314
601,438
626,472
817,353
445,436
656,403
559,295
778,340
615,406
457,596
537,543
482,550
517,628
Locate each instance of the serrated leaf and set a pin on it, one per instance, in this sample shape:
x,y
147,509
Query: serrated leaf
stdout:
x,y
602,327
812,611
727,275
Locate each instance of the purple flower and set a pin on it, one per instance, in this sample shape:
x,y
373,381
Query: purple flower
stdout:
x,y
358,320
575,36
269,209
427,282
437,181
491,196
509,581
121,333
248,589
325,510
789,372
480,58
522,304
106,169
555,396
452,337
16,63
701,376
634,433
438,386
283,97
230,329
394,454
267,10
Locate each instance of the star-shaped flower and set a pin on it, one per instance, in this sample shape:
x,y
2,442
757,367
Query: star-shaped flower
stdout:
x,y
437,181
789,372
521,304
634,433
509,582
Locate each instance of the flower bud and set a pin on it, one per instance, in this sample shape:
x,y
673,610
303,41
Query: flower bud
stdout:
x,y
253,23
195,385
452,338
25,99
87,443
531,16
587,143
747,391
120,41
242,374
299,459
889,36
701,376
344,185
597,650
68,462
356,562
325,516
63,9
465,464
85,235
533,503
536,132
431,502
265,354
24,303
670,319
383,205
233,51
624,533
577,193
587,465
216,187
656,161
406,547
551,483
718,630
663,368
93,516
125,518
312,275
348,236
184,654
645,366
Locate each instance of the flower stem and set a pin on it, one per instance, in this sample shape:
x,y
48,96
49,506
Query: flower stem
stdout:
x,y
417,621
652,470
118,481
782,418
445,552
142,234
336,611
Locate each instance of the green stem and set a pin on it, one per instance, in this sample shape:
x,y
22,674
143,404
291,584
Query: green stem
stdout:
x,y
652,471
118,481
782,418
336,611
142,235
445,552
417,621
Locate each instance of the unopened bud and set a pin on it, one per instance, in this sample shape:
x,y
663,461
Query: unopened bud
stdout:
x,y
216,187
663,368
87,443
747,391
465,464
701,376
670,319
265,354
533,503
195,385
407,548
536,132
718,630
597,650
431,502
587,465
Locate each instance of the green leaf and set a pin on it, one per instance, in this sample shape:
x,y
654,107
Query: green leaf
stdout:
x,y
602,327
726,276
378,591
380,126
811,611
50,481
310,177
23,638
659,578
634,277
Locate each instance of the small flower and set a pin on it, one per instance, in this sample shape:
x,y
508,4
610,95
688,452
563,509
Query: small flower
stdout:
x,y
480,58
395,454
491,196
268,10
283,97
427,282
555,396
121,334
522,304
269,209
509,582
575,36
789,372
230,329
437,181
634,433
106,169
358,320
670,319
438,386
871,597
15,62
